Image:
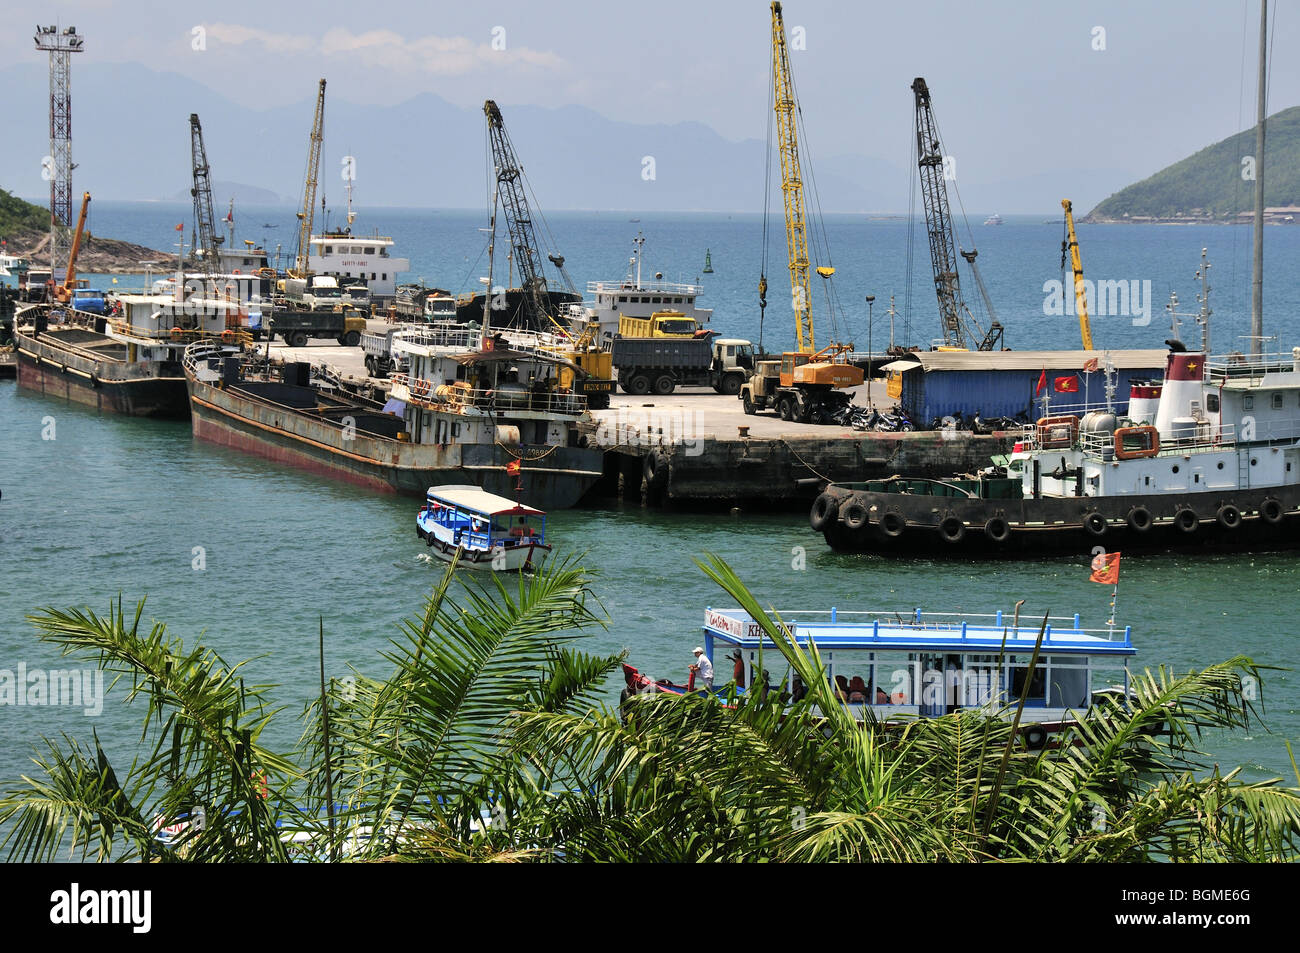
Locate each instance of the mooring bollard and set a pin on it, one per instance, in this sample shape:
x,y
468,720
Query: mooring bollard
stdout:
x,y
744,432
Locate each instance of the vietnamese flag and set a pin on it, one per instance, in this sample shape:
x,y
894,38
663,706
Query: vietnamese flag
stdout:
x,y
1105,569
180,227
1042,381
513,468
1066,385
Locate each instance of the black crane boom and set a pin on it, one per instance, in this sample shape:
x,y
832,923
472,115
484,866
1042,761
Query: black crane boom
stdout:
x,y
201,190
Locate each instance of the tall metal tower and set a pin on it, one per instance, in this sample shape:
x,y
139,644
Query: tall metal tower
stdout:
x,y
58,168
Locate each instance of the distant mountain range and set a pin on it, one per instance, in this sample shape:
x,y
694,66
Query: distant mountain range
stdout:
x,y
427,152
1210,185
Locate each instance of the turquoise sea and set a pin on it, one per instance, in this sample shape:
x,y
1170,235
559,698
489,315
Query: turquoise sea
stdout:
x,y
113,506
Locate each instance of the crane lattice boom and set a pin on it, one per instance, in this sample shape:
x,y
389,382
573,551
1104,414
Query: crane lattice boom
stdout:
x,y
305,217
519,220
796,219
938,219
201,190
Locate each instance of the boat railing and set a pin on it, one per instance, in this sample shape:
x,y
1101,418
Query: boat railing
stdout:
x,y
967,625
443,335
645,287
1250,369
459,397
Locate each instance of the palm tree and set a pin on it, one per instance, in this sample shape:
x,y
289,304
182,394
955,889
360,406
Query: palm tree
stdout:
x,y
417,762
488,742
691,778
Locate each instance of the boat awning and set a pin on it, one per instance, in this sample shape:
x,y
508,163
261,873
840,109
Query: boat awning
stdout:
x,y
897,366
476,500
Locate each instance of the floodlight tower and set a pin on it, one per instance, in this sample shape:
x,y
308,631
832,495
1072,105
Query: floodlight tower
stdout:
x,y
59,44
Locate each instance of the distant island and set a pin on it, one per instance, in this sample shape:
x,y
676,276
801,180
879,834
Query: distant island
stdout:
x,y
1209,186
243,194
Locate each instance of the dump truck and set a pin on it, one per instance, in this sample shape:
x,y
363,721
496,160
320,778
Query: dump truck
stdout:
x,y
659,365
661,324
297,325
378,348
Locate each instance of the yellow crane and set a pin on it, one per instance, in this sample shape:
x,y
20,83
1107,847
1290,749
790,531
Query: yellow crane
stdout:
x,y
63,292
305,217
803,384
1080,294
796,218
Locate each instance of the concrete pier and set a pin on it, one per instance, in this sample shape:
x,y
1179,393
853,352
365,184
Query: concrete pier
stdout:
x,y
697,448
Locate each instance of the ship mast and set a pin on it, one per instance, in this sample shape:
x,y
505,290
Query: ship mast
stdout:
x,y
1257,268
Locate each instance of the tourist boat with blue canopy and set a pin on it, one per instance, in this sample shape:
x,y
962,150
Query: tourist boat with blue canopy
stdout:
x,y
889,667
491,532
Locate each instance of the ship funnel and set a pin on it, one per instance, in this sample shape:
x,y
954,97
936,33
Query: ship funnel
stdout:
x,y
1182,395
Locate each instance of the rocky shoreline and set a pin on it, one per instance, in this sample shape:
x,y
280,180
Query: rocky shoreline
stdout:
x,y
99,256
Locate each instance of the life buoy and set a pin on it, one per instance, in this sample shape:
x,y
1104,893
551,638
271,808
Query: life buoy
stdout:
x,y
952,529
235,271
997,529
1271,511
1229,516
1139,519
227,337
1035,737
177,334
892,524
854,514
1186,520
824,510
1095,524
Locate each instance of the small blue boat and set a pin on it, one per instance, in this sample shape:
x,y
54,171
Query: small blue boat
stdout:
x,y
490,532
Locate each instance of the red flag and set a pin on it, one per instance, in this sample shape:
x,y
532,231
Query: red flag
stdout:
x,y
1066,385
180,227
1090,365
1105,569
1042,381
513,468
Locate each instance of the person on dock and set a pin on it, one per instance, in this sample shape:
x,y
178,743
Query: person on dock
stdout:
x,y
703,669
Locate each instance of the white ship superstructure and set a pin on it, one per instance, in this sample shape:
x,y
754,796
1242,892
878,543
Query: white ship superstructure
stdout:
x,y
607,300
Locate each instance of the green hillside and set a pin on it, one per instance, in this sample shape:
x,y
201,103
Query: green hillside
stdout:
x,y
19,216
1209,183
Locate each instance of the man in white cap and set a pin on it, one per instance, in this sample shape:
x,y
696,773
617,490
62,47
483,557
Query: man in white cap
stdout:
x,y
703,669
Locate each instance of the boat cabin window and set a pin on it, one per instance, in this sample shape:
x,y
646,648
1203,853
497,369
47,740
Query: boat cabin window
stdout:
x,y
370,250
1037,685
1277,401
1212,403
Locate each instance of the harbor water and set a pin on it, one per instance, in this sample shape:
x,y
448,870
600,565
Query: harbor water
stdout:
x,y
246,556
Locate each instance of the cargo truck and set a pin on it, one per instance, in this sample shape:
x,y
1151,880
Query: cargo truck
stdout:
x,y
297,325
661,364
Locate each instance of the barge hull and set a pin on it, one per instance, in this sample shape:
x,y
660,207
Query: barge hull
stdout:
x,y
225,417
41,368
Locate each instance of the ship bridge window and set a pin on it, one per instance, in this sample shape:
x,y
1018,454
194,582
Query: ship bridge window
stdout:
x,y
656,300
383,251
622,299
329,249
370,250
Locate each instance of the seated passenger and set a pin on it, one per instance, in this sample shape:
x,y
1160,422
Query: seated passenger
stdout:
x,y
857,690
841,688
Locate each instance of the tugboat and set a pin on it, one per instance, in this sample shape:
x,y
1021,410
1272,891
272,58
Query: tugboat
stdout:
x,y
1210,457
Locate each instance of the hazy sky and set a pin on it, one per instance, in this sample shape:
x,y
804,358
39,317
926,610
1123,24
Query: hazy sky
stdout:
x,y
1017,85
